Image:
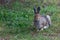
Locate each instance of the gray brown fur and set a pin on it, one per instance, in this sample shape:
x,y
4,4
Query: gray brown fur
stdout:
x,y
40,21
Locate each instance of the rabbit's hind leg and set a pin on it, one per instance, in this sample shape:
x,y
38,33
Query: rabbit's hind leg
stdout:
x,y
46,26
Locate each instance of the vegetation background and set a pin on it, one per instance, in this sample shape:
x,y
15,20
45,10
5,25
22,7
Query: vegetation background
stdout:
x,y
16,20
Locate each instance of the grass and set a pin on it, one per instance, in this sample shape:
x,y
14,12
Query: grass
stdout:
x,y
15,23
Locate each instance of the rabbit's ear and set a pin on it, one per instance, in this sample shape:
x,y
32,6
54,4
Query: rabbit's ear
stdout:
x,y
34,9
38,9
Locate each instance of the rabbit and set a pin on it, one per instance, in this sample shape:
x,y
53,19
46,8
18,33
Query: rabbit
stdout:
x,y
41,22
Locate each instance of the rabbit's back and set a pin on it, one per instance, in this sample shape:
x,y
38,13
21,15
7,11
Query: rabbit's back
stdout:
x,y
42,22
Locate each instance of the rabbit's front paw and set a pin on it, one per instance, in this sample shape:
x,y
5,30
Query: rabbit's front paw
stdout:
x,y
41,28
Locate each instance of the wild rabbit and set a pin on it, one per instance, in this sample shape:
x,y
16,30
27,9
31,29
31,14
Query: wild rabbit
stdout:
x,y
41,22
